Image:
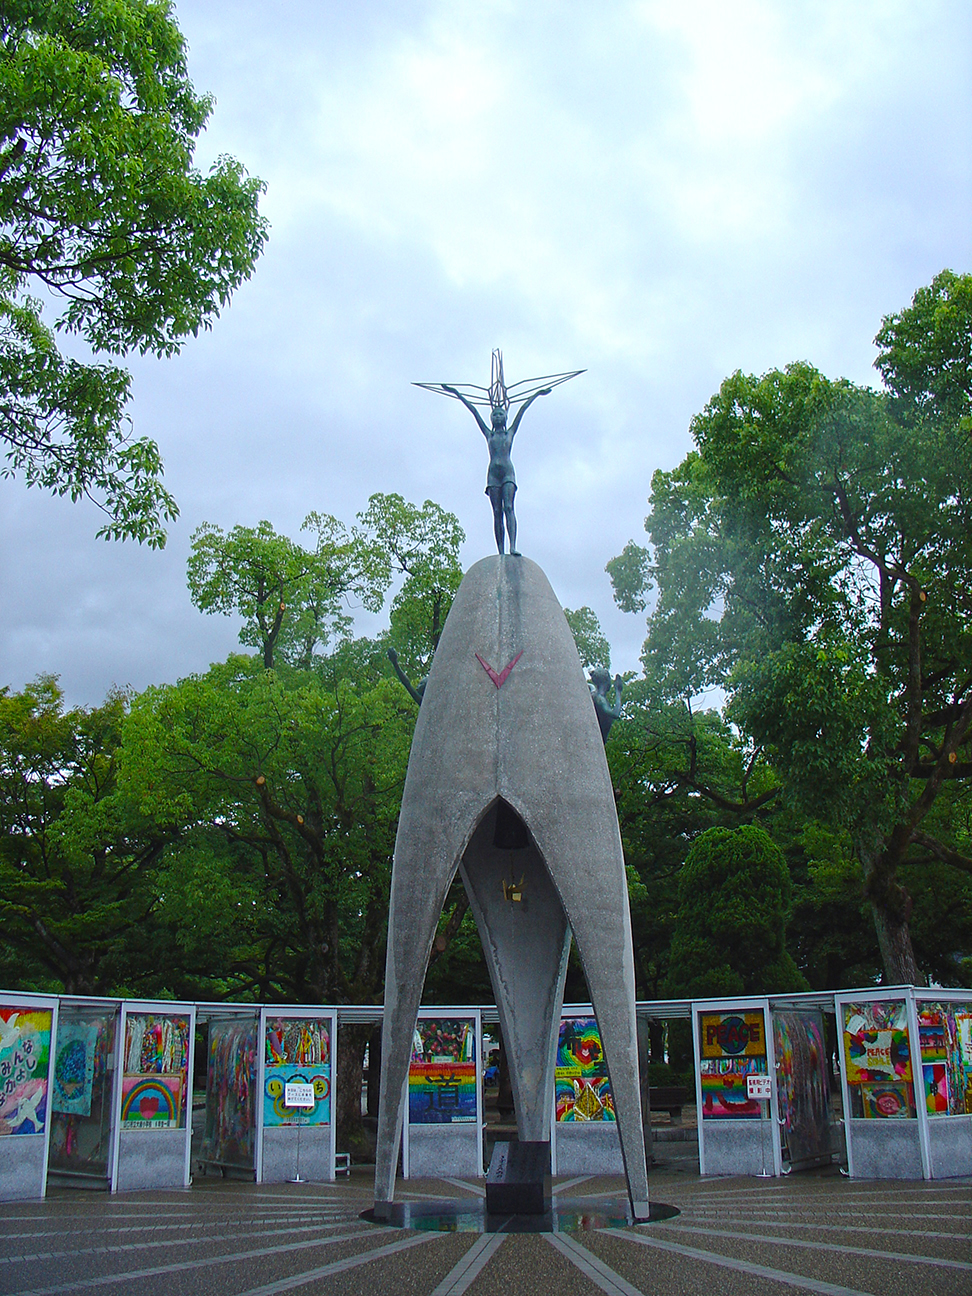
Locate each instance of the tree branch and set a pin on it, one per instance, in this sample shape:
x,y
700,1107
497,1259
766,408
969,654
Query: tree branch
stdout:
x,y
944,853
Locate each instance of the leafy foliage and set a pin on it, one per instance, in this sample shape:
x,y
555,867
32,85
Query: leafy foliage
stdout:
x,y
293,599
592,647
79,865
630,577
302,782
676,774
926,353
729,936
813,557
422,546
102,209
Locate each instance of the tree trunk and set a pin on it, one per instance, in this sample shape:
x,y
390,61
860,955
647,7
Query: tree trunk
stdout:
x,y
351,1135
891,907
894,941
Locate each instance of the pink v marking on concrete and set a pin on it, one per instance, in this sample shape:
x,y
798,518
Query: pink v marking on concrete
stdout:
x,y
500,679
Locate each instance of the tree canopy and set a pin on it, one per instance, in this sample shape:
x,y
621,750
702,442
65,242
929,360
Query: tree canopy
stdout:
x,y
592,646
730,932
103,213
78,862
813,557
302,781
294,600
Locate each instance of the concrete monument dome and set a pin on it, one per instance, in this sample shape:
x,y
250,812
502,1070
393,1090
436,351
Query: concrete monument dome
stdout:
x,y
508,783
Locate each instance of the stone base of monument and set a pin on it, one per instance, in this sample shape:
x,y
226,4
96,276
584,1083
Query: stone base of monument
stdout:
x,y
515,1182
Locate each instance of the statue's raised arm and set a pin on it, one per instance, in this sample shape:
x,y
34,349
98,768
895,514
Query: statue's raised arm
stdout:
x,y
501,479
544,391
470,407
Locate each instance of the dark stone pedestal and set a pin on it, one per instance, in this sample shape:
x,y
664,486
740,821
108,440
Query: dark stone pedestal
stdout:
x,y
514,1184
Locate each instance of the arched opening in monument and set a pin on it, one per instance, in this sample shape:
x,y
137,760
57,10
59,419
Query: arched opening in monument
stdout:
x,y
526,942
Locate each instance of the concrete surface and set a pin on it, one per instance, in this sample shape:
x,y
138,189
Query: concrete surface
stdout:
x,y
886,1147
526,944
152,1159
21,1165
813,1232
288,1149
525,734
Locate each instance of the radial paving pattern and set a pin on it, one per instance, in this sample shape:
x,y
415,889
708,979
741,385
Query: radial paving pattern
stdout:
x,y
811,1233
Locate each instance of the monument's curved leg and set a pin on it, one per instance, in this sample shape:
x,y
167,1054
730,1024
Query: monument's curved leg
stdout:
x,y
412,919
593,888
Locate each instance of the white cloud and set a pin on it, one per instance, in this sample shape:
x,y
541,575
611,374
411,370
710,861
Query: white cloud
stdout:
x,y
660,193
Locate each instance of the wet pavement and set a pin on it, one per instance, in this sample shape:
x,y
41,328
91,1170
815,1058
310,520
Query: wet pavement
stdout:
x,y
811,1232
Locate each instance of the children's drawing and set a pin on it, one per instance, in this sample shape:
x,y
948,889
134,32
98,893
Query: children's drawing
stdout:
x,y
583,1089
74,1062
442,1072
25,1044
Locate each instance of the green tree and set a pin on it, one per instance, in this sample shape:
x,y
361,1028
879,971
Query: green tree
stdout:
x,y
830,934
730,932
301,779
813,556
925,353
294,599
420,545
676,773
592,646
102,209
79,866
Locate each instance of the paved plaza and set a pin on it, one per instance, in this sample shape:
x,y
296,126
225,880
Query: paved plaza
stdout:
x,y
811,1232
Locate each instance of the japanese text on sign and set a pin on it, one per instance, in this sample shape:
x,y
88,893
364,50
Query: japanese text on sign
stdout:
x,y
298,1095
759,1087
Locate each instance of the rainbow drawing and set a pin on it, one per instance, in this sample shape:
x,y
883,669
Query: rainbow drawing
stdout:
x,y
151,1102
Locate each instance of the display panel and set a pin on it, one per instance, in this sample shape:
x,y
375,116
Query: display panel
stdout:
x,y
877,1060
74,1067
81,1098
732,1046
156,1072
945,1036
583,1086
442,1072
296,1051
230,1084
802,1084
25,1050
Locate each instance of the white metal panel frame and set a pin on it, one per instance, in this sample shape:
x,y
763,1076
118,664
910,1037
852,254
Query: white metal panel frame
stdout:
x,y
298,1012
451,1012
55,1012
96,1003
744,1003
876,995
14,999
572,1012
924,995
918,1086
161,1008
210,1012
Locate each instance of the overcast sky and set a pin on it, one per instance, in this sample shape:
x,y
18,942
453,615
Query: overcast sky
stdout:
x,y
660,193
